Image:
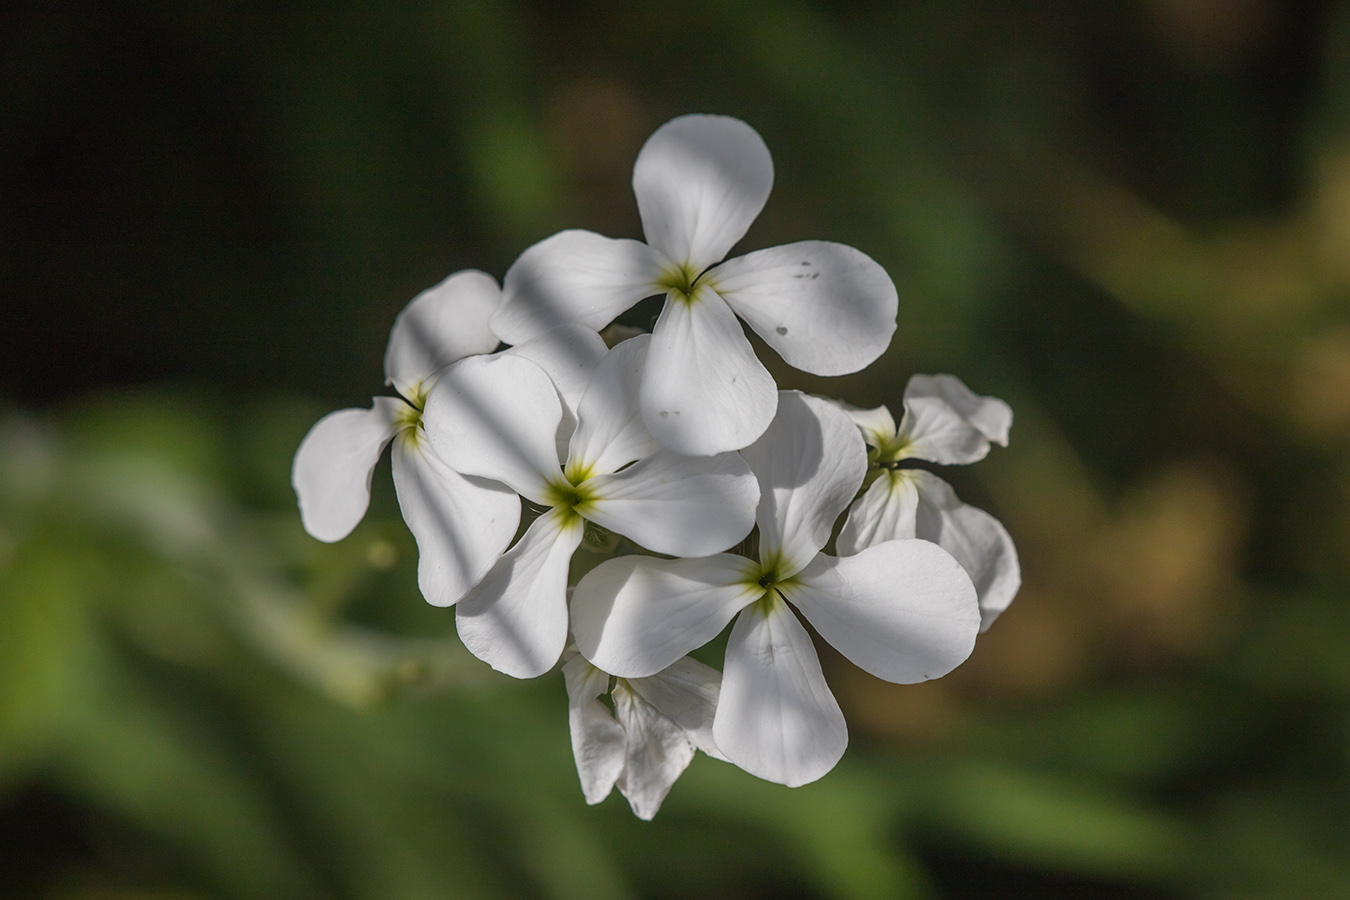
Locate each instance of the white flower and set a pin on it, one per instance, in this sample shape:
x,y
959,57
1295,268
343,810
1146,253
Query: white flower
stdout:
x,y
498,418
903,610
649,739
944,422
700,181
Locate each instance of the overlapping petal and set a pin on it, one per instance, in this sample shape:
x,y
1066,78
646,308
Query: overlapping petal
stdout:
x,y
945,422
658,751
442,324
904,610
700,181
686,692
569,354
988,415
826,308
776,717
885,512
877,425
611,432
332,468
599,745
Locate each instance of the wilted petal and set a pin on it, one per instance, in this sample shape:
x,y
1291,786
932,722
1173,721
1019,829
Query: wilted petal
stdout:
x,y
776,717
461,524
826,308
611,432
704,391
885,512
686,692
332,468
439,326
598,742
634,616
497,417
575,276
658,751
979,542
810,463
989,415
681,505
700,181
515,620
903,610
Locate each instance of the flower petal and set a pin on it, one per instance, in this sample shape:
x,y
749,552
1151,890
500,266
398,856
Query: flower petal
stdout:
x,y
877,425
575,276
989,415
946,423
611,433
658,752
810,463
497,417
885,512
776,717
461,524
681,505
979,542
704,391
569,354
598,742
700,181
826,308
332,468
515,620
903,610
634,616
442,324
686,693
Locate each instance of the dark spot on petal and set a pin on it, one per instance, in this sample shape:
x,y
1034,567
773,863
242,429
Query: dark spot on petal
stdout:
x,y
664,414
781,330
806,262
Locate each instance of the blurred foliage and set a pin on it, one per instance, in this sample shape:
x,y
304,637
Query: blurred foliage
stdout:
x,y
1131,220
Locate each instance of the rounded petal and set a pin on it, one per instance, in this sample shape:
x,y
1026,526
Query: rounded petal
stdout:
x,y
700,181
610,431
497,417
515,620
826,308
634,616
704,391
810,463
332,468
658,752
442,324
569,354
988,415
905,611
461,524
575,276
681,505
877,425
776,717
686,693
979,542
885,512
598,742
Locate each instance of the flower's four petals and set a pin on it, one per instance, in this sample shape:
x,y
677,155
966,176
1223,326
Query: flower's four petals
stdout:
x,y
332,468
704,391
442,324
497,417
657,753
575,276
776,717
461,524
598,742
680,505
826,308
988,415
904,610
979,542
634,616
515,620
885,512
810,463
686,692
700,181
611,433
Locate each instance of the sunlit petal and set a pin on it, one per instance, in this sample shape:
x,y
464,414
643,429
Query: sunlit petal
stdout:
x,y
946,423
611,432
877,425
989,415
442,324
885,512
332,468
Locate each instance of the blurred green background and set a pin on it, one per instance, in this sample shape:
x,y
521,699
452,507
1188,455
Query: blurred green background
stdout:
x,y
1129,219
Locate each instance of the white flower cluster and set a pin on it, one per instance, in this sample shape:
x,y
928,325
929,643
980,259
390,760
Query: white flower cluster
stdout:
x,y
680,442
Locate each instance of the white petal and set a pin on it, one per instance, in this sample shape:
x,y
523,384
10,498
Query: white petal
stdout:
x,y
598,742
903,610
439,326
700,181
611,433
634,616
989,415
877,425
332,468
810,463
658,751
461,524
515,620
979,542
885,512
685,692
680,505
776,717
826,308
704,391
569,354
497,417
575,276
